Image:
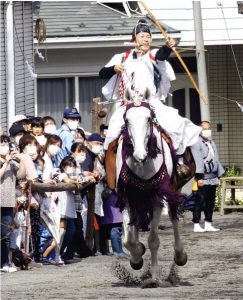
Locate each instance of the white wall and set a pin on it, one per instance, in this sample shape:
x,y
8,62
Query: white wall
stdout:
x,y
179,14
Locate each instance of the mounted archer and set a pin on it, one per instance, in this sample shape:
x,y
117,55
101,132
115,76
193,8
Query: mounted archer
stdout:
x,y
141,69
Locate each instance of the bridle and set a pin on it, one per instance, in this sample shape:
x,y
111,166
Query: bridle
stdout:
x,y
128,147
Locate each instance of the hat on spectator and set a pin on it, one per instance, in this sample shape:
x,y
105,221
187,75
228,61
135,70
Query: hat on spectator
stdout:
x,y
15,129
19,118
95,137
71,112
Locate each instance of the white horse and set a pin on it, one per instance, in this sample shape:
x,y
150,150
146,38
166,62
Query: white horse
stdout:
x,y
144,166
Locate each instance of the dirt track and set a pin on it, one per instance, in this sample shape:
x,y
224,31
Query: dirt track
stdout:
x,y
214,270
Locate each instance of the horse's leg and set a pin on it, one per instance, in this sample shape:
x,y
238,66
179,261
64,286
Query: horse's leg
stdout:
x,y
154,242
131,242
180,256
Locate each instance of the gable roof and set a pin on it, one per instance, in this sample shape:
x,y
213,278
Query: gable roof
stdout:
x,y
87,20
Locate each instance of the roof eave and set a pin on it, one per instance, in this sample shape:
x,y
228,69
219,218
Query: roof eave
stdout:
x,y
97,41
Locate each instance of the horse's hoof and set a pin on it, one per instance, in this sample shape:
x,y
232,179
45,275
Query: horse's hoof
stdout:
x,y
150,283
136,266
180,258
142,248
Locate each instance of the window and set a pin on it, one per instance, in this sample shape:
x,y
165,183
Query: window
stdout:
x,y
187,101
54,95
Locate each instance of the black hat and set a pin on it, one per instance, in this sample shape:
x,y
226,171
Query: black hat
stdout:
x,y
15,129
141,26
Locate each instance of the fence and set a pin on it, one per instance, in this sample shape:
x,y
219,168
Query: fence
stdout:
x,y
44,187
233,184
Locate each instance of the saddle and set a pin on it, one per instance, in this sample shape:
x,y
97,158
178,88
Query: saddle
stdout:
x,y
181,173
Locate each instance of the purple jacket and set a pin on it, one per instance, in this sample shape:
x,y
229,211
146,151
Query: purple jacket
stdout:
x,y
112,213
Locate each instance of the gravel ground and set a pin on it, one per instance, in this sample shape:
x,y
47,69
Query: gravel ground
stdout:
x,y
214,270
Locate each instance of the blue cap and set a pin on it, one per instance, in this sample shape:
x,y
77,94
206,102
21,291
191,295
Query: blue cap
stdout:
x,y
71,112
95,137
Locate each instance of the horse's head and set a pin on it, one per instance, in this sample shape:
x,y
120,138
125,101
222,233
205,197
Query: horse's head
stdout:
x,y
138,127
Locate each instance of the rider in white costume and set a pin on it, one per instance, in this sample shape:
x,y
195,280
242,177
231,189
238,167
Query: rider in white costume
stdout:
x,y
141,69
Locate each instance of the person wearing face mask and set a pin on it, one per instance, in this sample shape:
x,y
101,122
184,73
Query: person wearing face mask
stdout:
x,y
80,136
95,146
16,132
208,172
96,152
140,69
52,149
70,121
49,125
28,149
77,243
10,170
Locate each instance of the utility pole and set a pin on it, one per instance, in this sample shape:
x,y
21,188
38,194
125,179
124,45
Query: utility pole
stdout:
x,y
201,62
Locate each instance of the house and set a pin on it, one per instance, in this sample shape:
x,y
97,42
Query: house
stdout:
x,y
16,38
222,23
83,36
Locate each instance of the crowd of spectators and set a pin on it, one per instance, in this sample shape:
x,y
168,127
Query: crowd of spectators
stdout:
x,y
35,150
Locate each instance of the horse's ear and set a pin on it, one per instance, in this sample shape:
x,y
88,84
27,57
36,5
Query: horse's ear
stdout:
x,y
147,94
127,95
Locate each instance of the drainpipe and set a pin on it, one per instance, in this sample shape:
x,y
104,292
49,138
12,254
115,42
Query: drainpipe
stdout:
x,y
10,65
201,63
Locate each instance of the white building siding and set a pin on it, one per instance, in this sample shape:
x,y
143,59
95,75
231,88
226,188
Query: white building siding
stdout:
x,y
23,48
179,14
3,95
224,81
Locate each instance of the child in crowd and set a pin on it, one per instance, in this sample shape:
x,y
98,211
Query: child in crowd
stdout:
x,y
37,128
77,243
111,226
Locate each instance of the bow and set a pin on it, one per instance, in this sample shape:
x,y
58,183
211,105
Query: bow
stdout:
x,y
156,22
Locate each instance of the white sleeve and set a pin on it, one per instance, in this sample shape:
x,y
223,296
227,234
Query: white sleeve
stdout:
x,y
115,60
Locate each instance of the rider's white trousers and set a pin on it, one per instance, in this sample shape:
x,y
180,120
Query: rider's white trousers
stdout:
x,y
182,131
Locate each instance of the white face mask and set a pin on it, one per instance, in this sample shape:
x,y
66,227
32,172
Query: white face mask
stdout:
x,y
53,150
80,158
31,150
17,138
73,125
96,149
69,170
207,133
50,129
4,150
41,139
